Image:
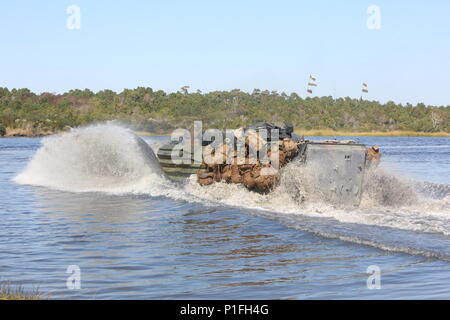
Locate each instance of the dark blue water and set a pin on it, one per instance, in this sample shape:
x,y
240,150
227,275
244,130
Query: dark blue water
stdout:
x,y
175,244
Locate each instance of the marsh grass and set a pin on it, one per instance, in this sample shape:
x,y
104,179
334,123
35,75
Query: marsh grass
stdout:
x,y
8,292
332,133
150,134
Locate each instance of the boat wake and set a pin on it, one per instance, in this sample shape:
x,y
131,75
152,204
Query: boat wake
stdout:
x,y
395,213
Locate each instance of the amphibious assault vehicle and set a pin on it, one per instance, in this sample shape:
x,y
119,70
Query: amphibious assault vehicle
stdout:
x,y
338,166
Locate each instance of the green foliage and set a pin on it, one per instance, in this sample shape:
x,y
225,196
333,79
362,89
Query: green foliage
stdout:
x,y
2,130
158,111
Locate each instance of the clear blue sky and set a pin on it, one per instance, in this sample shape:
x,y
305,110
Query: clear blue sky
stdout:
x,y
212,45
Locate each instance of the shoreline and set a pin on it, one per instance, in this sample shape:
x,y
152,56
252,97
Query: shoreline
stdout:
x,y
396,133
306,133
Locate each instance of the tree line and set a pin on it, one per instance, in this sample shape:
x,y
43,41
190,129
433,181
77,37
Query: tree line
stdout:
x,y
160,112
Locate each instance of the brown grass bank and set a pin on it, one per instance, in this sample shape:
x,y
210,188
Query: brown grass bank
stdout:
x,y
26,132
8,292
332,133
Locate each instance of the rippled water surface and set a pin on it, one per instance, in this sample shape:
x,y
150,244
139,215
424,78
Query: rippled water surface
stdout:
x,y
141,236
